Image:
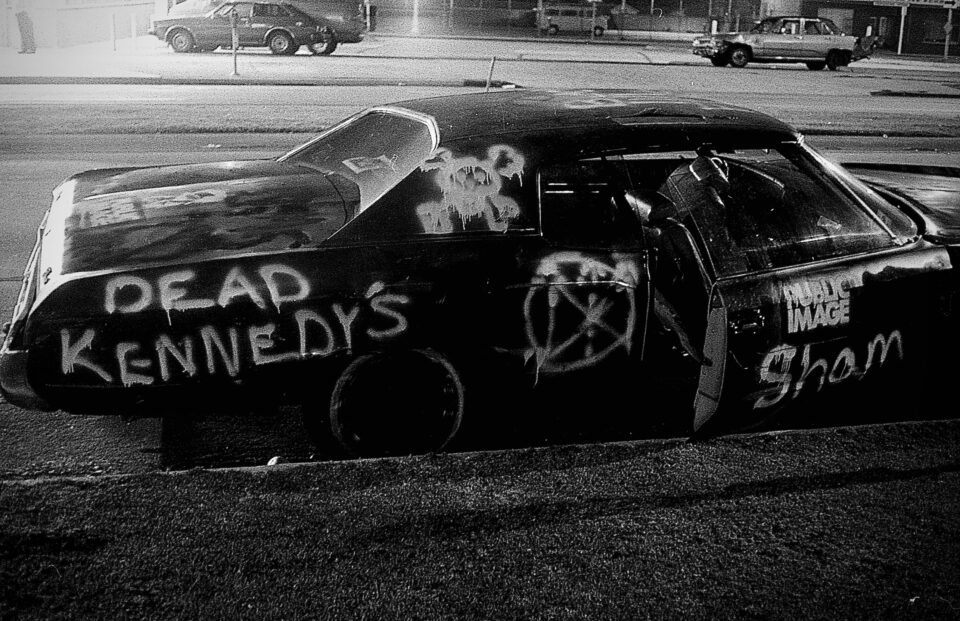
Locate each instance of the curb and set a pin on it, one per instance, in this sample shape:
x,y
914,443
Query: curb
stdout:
x,y
159,81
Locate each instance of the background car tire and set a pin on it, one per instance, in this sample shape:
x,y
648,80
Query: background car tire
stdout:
x,y
396,403
739,57
553,29
282,44
834,60
816,66
721,61
181,41
598,31
324,48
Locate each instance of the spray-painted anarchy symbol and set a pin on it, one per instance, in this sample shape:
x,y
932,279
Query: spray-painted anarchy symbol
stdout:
x,y
571,324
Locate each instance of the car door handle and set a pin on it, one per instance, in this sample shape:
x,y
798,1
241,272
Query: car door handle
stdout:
x,y
747,321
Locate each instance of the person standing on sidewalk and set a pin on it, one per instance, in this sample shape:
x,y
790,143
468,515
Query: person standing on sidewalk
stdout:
x,y
27,43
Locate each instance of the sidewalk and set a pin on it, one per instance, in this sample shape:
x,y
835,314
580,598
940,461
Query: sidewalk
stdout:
x,y
144,59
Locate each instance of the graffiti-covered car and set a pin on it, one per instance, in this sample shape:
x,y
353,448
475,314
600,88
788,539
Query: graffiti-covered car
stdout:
x,y
419,266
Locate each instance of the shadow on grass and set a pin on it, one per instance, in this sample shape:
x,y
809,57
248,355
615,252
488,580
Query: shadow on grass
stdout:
x,y
453,525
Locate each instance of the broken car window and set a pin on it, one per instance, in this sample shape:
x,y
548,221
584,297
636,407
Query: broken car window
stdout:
x,y
760,209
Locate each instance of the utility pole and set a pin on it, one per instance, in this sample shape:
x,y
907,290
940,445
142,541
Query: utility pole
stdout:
x,y
947,31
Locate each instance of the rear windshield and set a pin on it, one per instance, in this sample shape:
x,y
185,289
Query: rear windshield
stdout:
x,y
375,151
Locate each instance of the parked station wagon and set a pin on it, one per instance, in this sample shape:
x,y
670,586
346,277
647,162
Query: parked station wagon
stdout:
x,y
422,266
557,18
815,41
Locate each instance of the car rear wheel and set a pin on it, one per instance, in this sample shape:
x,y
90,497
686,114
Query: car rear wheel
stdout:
x,y
396,403
281,43
719,61
325,47
834,60
553,29
739,57
182,41
598,31
817,66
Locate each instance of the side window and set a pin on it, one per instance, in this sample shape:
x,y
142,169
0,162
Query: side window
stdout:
x,y
584,204
828,28
462,188
790,26
764,209
243,9
812,28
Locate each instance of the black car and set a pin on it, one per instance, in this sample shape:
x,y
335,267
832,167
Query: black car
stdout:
x,y
424,266
280,26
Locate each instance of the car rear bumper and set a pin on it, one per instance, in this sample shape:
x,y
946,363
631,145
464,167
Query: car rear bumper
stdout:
x,y
14,385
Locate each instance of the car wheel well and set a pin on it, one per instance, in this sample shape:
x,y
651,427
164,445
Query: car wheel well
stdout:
x,y
292,45
390,402
188,44
837,58
740,55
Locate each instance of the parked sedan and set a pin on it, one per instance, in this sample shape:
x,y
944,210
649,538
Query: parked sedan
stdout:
x,y
424,266
814,41
279,26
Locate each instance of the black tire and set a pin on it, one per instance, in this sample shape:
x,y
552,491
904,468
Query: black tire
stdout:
x,y
598,31
834,60
816,66
325,47
553,29
282,44
181,41
396,403
739,57
720,61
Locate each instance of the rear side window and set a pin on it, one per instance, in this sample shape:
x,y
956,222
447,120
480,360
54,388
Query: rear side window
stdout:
x,y
462,188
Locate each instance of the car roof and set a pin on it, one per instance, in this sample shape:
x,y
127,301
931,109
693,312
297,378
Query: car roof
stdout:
x,y
607,116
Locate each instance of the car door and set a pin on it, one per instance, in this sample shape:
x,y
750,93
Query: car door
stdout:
x,y
785,41
246,33
816,43
215,30
587,301
263,17
814,298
